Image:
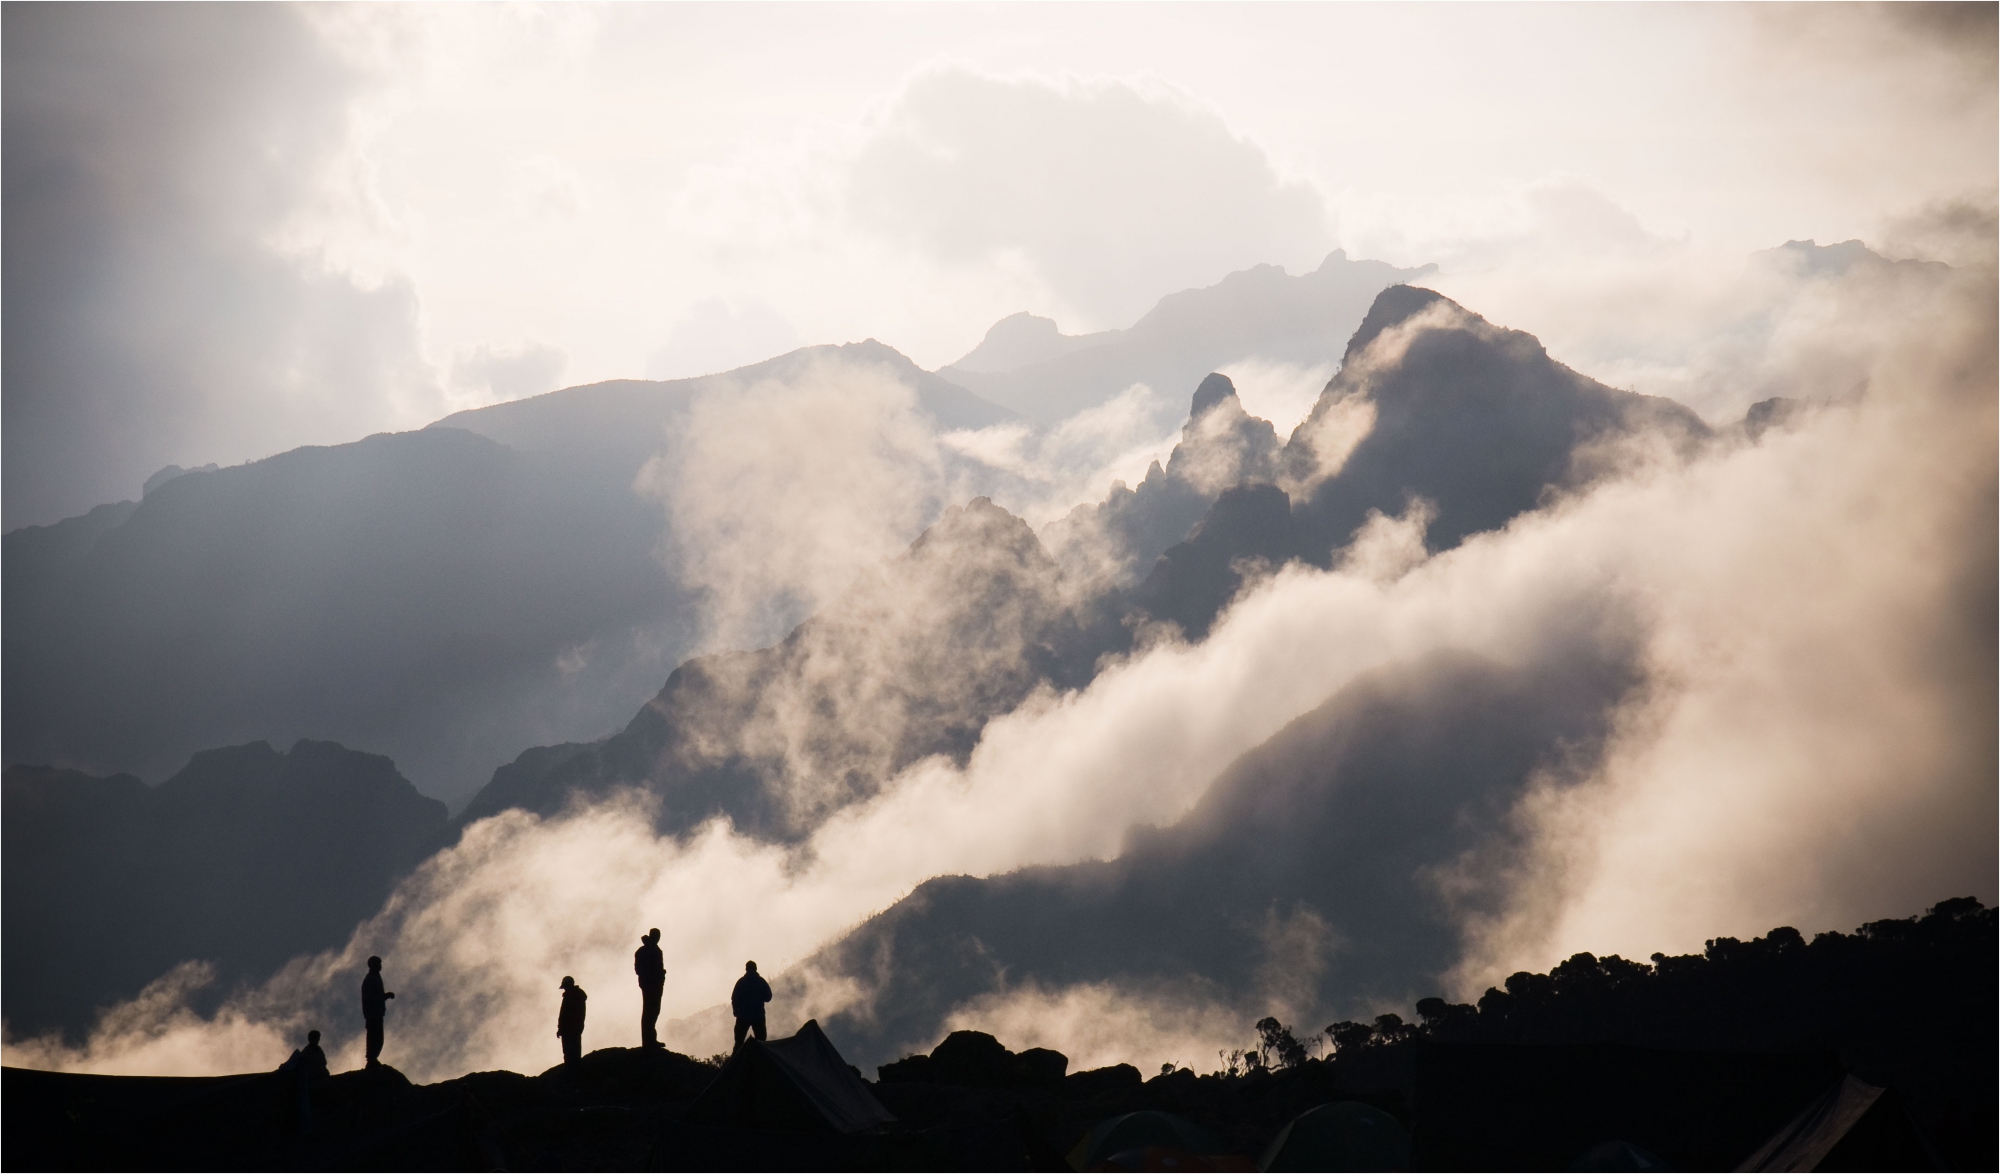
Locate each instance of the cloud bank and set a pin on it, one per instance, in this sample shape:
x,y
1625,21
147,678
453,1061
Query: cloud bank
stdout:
x,y
155,159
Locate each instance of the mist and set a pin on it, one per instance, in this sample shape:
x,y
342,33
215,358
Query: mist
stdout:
x,y
155,159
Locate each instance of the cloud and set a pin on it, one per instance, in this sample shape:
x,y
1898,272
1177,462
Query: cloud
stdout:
x,y
1667,315
252,228
496,374
1280,392
153,160
1103,1023
1110,192
1951,47
1052,469
714,336
156,1034
1816,747
1961,231
780,491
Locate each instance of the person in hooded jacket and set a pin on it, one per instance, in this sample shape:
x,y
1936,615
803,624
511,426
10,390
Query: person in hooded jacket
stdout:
x,y
569,1020
747,1002
651,968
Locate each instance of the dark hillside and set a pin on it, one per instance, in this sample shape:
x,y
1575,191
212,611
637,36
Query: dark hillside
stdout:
x,y
245,859
1451,1092
1326,830
411,592
450,596
912,661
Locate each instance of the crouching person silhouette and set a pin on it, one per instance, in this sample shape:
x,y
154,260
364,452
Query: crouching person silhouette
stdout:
x,y
569,1020
374,1003
747,1001
307,1068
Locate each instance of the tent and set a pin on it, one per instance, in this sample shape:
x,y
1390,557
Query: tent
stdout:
x,y
800,1083
1346,1135
1852,1126
1145,1129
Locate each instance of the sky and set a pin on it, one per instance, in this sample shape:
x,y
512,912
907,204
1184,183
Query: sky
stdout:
x,y
235,230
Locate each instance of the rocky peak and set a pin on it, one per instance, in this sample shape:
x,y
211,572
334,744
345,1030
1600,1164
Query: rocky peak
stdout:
x,y
1393,306
1213,390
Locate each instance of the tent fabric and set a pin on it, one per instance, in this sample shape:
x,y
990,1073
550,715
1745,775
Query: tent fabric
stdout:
x,y
1811,1135
1137,1131
1345,1135
799,1083
1853,1125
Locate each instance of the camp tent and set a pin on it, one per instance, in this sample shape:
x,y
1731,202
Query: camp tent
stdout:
x,y
1346,1135
1138,1131
1852,1126
799,1083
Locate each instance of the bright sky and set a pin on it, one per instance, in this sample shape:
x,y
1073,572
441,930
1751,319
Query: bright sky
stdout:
x,y
587,178
250,228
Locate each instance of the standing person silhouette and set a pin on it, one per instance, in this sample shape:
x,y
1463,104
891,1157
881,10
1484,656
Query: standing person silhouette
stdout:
x,y
652,971
374,1003
569,1020
748,1000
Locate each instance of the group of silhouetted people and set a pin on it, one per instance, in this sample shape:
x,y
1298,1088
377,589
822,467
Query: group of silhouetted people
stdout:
x,y
746,1003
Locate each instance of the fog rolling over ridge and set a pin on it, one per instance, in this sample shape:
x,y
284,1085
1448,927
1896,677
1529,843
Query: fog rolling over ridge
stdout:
x,y
915,659
1295,884
1402,709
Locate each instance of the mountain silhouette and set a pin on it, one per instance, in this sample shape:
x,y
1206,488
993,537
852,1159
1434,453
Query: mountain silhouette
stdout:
x,y
457,596
414,592
1475,419
1221,446
424,582
1301,870
451,596
618,425
911,661
244,859
1022,613
1261,312
1023,340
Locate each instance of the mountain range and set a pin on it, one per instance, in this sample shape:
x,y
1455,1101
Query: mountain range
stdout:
x,y
1406,767
1027,365
457,595
244,859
